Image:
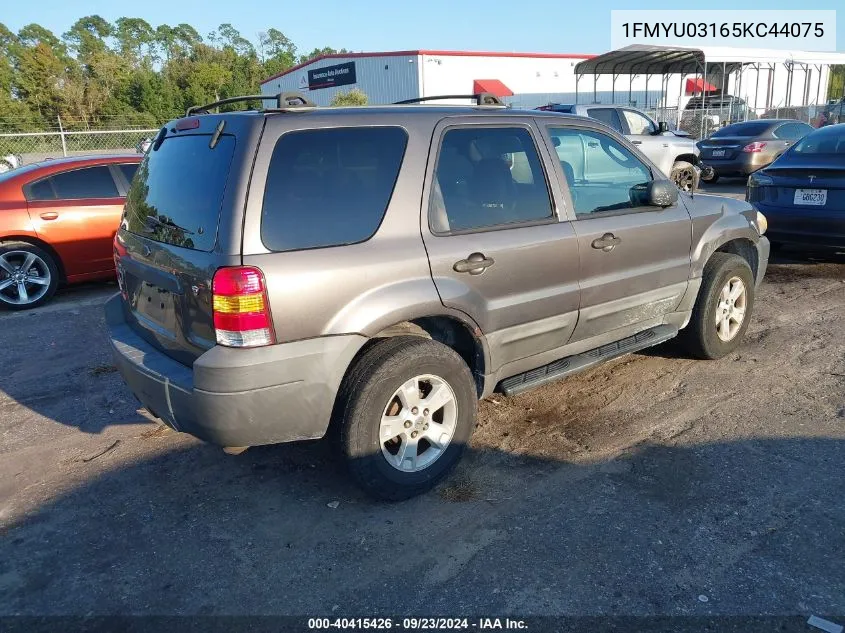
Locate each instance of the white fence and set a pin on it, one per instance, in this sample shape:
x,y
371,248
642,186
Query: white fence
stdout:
x,y
35,146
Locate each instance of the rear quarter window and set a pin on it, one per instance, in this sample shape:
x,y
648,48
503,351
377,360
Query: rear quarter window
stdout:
x,y
330,187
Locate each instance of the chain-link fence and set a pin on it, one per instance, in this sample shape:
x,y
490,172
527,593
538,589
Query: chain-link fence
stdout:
x,y
31,147
701,122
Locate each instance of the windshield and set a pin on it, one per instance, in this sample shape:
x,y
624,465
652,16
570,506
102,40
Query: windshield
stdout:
x,y
825,141
177,191
749,128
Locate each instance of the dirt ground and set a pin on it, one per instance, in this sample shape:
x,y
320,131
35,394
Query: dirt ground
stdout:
x,y
654,485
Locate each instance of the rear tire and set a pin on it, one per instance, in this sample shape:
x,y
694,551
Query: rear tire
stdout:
x,y
723,308
378,410
713,179
25,289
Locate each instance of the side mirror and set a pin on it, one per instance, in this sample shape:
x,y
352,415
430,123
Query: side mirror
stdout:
x,y
662,127
662,193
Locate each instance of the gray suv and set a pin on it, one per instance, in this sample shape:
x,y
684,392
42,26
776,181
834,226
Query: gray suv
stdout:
x,y
370,273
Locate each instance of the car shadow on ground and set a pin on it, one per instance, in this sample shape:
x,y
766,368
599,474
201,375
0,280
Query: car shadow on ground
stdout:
x,y
63,377
742,527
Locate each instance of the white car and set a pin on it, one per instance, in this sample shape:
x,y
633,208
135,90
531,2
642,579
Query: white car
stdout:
x,y
10,162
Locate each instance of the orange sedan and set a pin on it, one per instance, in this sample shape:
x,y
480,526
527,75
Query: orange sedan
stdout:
x,y
57,222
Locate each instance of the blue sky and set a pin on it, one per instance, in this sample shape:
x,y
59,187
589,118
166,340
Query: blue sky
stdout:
x,y
562,26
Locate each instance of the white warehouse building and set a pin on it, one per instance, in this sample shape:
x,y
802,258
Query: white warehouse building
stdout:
x,y
523,79
763,79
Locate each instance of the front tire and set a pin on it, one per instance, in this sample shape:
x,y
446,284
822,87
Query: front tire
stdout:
x,y
28,276
685,176
404,416
723,308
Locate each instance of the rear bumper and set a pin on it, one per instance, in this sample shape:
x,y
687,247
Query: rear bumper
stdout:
x,y
808,240
804,226
236,397
742,165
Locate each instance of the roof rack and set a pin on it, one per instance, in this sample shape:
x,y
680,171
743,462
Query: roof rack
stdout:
x,y
481,98
284,101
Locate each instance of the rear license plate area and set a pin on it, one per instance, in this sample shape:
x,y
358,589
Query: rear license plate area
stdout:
x,y
810,197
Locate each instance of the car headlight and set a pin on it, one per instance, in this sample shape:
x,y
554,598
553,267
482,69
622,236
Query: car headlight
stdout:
x,y
762,223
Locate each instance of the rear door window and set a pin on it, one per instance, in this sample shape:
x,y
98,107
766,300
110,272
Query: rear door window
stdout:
x,y
76,184
608,116
90,182
792,131
129,170
330,187
488,177
177,192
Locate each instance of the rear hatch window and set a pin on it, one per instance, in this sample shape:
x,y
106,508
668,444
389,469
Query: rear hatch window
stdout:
x,y
177,193
330,187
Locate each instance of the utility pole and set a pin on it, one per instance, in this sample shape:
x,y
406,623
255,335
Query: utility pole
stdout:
x,y
62,135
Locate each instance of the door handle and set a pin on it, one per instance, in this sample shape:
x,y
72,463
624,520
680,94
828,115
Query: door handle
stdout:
x,y
49,215
638,143
475,264
606,242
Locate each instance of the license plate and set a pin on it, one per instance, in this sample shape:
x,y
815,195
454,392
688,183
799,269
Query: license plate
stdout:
x,y
718,153
812,197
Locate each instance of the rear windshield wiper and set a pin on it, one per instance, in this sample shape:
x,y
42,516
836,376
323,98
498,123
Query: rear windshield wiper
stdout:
x,y
153,220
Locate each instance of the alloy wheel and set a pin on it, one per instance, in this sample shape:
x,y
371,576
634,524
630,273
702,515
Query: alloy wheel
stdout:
x,y
418,423
24,277
685,179
730,311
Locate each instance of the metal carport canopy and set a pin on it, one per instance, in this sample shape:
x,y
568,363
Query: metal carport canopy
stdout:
x,y
641,59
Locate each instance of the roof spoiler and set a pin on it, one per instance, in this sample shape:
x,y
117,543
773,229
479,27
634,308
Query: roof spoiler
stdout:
x,y
284,101
481,98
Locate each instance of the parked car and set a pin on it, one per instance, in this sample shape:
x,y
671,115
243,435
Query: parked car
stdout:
x,y
10,162
281,278
58,219
803,191
743,148
716,110
674,153
832,114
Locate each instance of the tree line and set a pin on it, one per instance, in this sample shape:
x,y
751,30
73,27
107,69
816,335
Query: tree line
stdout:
x,y
129,73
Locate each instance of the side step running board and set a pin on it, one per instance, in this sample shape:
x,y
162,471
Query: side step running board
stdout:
x,y
573,364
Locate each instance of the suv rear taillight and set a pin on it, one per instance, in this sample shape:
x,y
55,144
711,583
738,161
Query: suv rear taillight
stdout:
x,y
753,148
241,310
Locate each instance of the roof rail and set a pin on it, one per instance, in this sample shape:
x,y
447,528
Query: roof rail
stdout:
x,y
284,101
481,98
